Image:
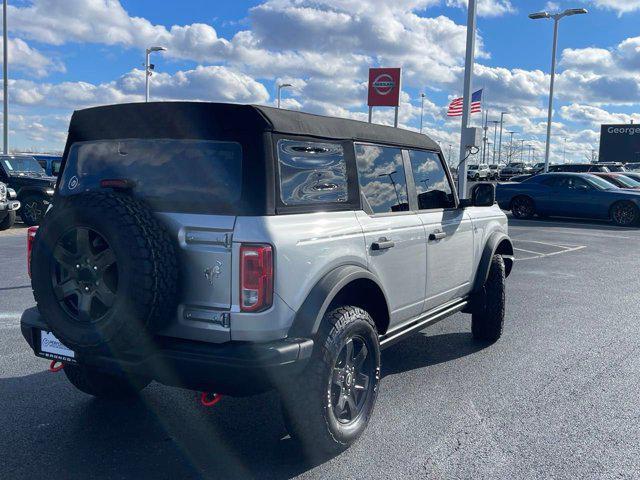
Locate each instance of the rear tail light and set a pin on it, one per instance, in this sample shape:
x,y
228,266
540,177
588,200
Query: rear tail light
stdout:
x,y
256,277
31,236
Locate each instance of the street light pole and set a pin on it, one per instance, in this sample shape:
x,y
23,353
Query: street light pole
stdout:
x,y
495,138
421,110
484,137
148,68
502,114
556,21
564,152
5,72
466,110
510,153
280,87
522,150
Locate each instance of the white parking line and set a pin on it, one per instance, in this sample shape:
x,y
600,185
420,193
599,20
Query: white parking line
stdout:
x,y
574,231
527,251
568,250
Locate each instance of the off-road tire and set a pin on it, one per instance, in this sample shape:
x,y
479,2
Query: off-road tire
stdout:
x,y
307,409
29,202
487,319
103,385
7,222
146,296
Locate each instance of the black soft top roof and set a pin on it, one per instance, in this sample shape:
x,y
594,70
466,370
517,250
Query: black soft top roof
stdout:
x,y
201,120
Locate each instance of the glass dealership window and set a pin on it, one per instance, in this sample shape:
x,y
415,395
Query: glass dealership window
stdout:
x,y
312,172
382,179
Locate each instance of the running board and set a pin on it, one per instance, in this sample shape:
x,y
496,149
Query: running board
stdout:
x,y
418,323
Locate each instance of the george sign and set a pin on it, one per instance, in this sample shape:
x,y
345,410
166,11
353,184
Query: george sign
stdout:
x,y
384,87
620,143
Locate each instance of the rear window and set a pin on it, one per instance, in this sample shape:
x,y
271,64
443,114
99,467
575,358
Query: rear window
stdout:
x,y
171,175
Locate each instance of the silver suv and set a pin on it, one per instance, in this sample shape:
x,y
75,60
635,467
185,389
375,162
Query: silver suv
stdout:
x,y
236,249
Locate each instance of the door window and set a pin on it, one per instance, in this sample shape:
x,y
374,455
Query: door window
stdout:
x,y
432,183
383,183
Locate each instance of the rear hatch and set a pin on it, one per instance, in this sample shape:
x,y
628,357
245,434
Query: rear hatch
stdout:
x,y
195,187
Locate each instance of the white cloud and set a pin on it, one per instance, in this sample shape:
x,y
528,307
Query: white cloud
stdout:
x,y
26,59
487,8
619,6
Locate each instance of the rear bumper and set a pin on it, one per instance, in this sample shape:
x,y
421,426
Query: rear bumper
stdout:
x,y
233,368
9,206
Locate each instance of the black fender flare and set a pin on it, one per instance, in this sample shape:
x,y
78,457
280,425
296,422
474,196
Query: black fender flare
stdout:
x,y
496,240
307,320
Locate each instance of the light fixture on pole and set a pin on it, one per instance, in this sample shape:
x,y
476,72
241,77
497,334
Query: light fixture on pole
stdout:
x,y
280,87
556,20
149,67
5,80
422,95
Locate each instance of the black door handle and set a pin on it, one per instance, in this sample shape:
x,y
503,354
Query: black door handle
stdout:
x,y
437,236
382,244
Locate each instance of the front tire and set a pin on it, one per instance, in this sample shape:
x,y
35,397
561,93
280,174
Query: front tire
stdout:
x,y
103,385
523,207
487,319
330,405
8,221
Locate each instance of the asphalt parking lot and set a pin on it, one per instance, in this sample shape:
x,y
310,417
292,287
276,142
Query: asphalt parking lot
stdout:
x,y
556,397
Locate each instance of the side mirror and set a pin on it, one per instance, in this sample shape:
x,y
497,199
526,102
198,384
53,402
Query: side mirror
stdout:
x,y
483,195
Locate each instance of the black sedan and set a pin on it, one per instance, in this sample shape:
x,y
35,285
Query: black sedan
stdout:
x,y
570,195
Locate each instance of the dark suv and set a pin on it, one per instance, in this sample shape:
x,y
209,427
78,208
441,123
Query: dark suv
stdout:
x,y
34,187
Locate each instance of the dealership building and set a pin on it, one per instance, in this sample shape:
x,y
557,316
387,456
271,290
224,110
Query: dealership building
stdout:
x,y
620,143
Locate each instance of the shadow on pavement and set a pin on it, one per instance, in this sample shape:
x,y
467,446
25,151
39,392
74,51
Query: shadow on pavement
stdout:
x,y
569,222
52,431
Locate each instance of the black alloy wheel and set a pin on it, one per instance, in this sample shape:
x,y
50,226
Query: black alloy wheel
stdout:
x,y
523,207
32,210
84,274
624,214
351,382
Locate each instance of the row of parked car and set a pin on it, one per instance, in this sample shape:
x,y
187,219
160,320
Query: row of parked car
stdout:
x,y
27,185
597,193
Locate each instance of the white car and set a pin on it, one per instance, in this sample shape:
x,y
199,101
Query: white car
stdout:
x,y
479,172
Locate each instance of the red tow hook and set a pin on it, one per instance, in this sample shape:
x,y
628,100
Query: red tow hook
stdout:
x,y
53,368
210,402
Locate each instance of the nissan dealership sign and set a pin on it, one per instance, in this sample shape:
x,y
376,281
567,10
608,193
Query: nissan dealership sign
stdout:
x,y
620,143
384,87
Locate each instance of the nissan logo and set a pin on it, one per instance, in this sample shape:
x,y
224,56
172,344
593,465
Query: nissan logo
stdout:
x,y
383,84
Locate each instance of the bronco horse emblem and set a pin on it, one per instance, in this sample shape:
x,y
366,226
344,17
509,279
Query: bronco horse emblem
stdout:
x,y
211,273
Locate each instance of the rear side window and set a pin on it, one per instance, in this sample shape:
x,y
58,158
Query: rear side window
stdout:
x,y
383,183
432,183
312,172
171,175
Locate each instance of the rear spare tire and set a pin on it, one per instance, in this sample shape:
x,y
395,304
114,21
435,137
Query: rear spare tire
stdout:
x,y
104,272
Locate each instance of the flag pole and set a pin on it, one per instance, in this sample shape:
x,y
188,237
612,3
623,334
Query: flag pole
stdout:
x,y
466,111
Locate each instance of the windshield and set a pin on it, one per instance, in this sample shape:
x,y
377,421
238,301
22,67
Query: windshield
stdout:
x,y
473,167
515,165
627,181
22,165
600,184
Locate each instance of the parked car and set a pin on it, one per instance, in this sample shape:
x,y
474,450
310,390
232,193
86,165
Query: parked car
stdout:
x,y
289,261
512,169
579,167
633,175
620,180
8,207
632,167
494,172
570,195
478,172
50,163
33,186
614,166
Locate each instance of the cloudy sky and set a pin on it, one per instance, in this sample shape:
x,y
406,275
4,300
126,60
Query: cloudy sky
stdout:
x,y
71,54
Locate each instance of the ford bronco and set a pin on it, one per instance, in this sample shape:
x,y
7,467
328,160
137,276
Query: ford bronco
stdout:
x,y
236,249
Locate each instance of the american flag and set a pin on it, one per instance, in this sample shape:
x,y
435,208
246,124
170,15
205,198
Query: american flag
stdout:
x,y
455,109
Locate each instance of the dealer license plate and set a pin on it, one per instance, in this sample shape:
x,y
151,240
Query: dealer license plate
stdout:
x,y
51,347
